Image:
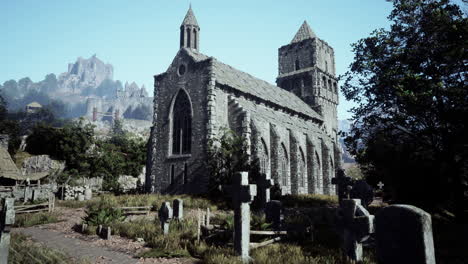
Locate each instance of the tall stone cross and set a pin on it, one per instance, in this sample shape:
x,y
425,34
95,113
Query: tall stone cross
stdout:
x,y
342,182
358,225
7,219
243,194
165,216
264,184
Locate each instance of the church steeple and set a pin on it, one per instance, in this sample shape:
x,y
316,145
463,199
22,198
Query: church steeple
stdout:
x,y
190,31
304,32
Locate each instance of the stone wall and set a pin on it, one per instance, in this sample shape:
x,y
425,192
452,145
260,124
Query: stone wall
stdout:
x,y
193,82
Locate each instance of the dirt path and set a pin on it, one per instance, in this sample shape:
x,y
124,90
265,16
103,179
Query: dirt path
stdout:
x,y
62,237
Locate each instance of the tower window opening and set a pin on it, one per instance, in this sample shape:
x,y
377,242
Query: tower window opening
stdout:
x,y
194,38
297,66
189,43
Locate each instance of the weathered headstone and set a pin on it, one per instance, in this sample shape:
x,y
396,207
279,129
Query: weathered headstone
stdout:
x,y
84,227
107,233
165,216
342,183
243,194
178,206
199,225
7,219
380,185
81,197
358,224
263,185
273,212
404,235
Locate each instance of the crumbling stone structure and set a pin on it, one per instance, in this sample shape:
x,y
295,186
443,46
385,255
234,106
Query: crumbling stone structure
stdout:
x,y
291,128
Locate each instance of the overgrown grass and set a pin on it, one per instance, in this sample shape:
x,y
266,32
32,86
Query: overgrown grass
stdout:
x,y
153,200
23,250
27,220
309,200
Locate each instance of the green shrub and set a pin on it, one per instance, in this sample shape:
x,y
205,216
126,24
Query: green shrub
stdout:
x,y
105,212
309,200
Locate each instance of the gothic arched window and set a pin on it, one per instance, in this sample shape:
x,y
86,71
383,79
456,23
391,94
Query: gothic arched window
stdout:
x,y
302,169
263,157
181,125
297,66
317,175
284,165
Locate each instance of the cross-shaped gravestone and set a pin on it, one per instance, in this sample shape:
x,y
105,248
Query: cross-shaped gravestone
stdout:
x,y
380,185
264,184
342,182
178,205
7,219
165,216
243,194
358,224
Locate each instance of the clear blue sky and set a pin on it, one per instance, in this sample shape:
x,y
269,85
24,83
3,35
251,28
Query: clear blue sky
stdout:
x,y
140,38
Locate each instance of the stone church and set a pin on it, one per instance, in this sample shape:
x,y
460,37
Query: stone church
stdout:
x,y
291,127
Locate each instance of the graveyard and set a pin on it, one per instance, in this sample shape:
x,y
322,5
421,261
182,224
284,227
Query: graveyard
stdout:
x,y
324,163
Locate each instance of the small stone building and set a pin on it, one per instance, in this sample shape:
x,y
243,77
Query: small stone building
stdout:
x,y
33,107
291,128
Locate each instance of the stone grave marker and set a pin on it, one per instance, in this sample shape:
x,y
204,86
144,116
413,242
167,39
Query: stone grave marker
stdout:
x,y
7,219
404,235
358,224
342,182
165,216
88,193
178,207
273,212
242,194
263,185
380,185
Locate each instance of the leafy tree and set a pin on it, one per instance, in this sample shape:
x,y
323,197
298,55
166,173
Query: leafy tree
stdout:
x,y
226,156
9,127
409,83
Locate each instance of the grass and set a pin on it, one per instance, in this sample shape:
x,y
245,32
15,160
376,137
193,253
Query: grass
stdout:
x,y
27,220
24,250
153,200
309,200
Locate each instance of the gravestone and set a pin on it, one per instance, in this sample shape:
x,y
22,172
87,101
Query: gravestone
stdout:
x,y
380,185
84,227
81,197
51,202
358,224
242,194
165,216
273,212
404,235
107,233
178,206
342,183
7,219
263,185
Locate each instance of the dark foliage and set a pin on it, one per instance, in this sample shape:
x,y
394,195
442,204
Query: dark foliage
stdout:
x,y
409,83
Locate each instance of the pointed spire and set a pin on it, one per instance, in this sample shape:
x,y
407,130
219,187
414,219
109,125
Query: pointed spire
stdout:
x,y
304,32
190,18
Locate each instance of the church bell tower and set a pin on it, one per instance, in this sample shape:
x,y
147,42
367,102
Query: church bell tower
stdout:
x,y
306,67
190,32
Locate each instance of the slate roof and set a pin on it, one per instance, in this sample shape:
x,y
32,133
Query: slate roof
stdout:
x,y
304,32
246,83
34,104
190,18
8,168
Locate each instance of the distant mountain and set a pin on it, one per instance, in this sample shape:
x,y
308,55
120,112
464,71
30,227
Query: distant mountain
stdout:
x,y
84,79
345,126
